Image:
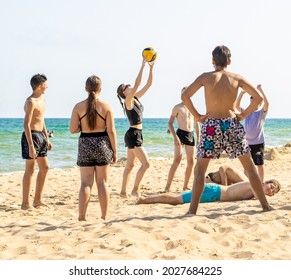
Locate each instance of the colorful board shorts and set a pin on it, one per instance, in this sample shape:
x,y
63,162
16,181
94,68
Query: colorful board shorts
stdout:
x,y
94,149
211,193
257,152
218,135
186,137
133,138
39,142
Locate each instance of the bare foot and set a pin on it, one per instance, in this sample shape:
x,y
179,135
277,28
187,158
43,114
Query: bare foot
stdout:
x,y
135,193
25,206
267,208
39,205
123,195
80,219
186,189
167,189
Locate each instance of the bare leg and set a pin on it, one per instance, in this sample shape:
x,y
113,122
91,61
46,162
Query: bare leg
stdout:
x,y
103,193
40,180
174,166
87,180
166,198
141,154
261,172
127,172
190,163
254,179
26,183
198,185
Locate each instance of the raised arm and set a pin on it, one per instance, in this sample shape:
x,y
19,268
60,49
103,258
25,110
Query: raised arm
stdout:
x,y
140,93
130,96
266,101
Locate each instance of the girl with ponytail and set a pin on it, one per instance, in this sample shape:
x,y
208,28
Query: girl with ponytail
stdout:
x,y
129,100
97,146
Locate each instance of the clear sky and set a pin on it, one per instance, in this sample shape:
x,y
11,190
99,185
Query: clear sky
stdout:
x,y
69,40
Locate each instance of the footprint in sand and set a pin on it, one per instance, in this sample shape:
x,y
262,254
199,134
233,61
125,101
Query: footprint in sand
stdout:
x,y
242,255
225,229
201,229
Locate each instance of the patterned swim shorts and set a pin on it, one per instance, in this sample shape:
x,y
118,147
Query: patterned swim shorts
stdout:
x,y
94,149
218,135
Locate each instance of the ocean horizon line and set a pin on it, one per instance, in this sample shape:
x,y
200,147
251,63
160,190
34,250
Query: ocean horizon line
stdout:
x,y
268,118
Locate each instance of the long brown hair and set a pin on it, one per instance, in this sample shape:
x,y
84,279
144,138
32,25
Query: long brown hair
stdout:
x,y
93,86
121,96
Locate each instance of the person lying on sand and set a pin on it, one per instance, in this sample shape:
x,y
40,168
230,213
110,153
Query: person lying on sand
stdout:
x,y
214,192
226,176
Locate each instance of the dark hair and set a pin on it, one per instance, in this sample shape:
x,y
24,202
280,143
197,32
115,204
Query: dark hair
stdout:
x,y
37,80
121,95
93,85
221,55
210,175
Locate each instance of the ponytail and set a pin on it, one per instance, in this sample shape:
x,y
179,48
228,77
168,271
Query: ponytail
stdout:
x,y
91,110
93,86
121,96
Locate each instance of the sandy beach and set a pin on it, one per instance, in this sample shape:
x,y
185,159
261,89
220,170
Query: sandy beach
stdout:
x,y
220,231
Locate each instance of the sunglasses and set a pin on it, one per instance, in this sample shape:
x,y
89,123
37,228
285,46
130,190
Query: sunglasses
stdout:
x,y
126,86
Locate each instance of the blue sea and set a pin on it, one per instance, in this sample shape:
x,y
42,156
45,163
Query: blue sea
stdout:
x,y
157,142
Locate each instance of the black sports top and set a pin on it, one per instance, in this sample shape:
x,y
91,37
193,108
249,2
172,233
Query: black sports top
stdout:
x,y
135,114
85,115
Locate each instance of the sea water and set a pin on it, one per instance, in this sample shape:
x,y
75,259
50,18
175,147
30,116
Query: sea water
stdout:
x,y
157,142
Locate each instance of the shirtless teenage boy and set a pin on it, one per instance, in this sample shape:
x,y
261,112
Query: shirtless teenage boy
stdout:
x,y
184,136
221,129
214,192
35,142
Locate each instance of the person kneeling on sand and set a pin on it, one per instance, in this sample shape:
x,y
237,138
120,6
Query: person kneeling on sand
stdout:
x,y
214,192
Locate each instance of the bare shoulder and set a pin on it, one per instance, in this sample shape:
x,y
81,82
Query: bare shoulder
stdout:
x,y
30,102
105,104
176,108
81,104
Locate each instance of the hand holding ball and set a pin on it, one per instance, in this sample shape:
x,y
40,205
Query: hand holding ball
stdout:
x,y
149,54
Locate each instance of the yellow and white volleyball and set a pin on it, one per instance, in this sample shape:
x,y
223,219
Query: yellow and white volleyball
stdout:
x,y
149,54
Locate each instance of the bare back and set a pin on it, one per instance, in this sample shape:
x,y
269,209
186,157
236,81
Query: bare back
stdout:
x,y
184,118
221,89
102,109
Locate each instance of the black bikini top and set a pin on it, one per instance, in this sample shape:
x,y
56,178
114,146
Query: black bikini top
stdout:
x,y
85,115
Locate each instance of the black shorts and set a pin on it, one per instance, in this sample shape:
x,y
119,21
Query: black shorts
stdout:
x,y
94,149
186,137
39,142
257,152
133,138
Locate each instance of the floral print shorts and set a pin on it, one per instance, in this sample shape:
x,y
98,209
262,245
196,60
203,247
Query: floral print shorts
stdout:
x,y
218,135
